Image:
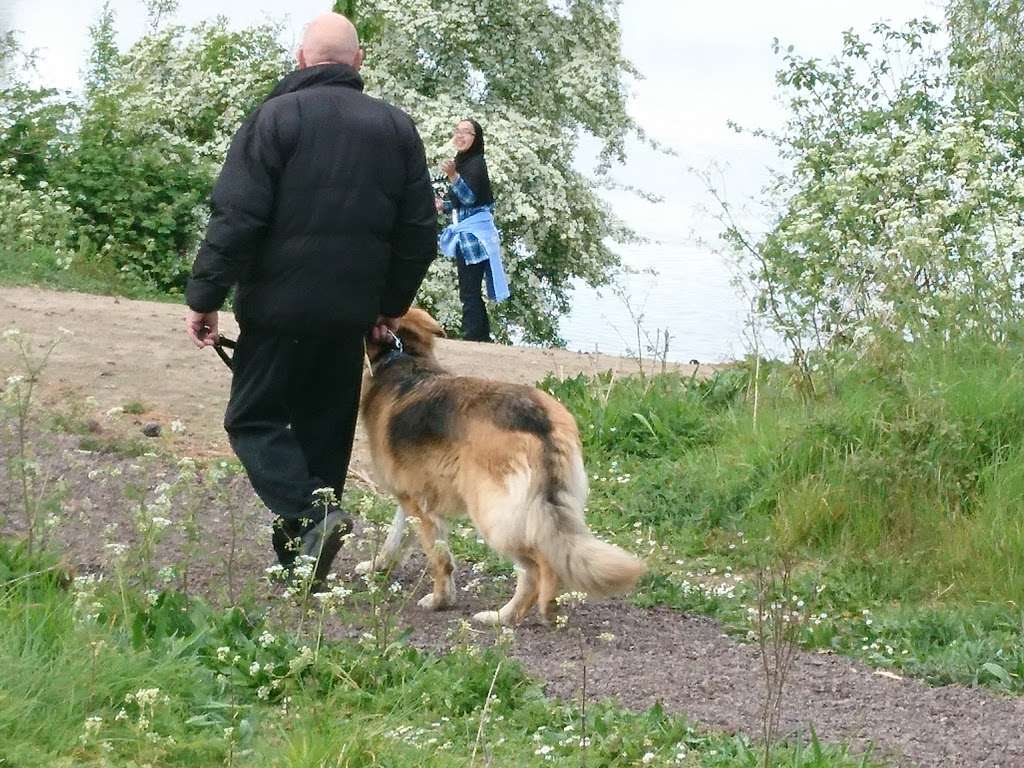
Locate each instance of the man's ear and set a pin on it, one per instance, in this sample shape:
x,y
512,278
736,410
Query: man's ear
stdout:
x,y
300,57
357,61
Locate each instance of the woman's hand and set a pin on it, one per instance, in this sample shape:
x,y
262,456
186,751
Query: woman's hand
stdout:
x,y
448,168
439,204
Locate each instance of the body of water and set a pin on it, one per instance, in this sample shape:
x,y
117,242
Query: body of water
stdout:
x,y
675,287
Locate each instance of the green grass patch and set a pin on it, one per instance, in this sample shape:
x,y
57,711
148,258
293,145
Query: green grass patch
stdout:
x,y
115,445
896,490
87,273
97,674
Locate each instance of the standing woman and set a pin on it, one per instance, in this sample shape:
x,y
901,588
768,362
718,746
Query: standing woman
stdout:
x,y
472,239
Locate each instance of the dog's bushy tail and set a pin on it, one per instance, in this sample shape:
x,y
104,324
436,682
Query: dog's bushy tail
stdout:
x,y
583,562
596,567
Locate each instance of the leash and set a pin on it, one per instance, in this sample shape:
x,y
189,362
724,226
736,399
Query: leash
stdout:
x,y
222,343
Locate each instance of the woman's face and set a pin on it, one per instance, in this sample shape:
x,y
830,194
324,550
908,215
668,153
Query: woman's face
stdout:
x,y
463,136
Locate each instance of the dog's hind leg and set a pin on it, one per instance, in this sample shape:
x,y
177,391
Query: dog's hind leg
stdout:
x,y
433,533
391,551
548,591
522,601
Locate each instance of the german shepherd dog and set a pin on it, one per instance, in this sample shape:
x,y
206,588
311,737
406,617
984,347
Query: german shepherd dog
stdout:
x,y
506,455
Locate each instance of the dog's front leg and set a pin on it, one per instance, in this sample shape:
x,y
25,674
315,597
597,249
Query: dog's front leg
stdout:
x,y
390,553
433,533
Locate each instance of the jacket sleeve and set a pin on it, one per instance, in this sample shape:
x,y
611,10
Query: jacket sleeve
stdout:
x,y
414,238
463,192
242,204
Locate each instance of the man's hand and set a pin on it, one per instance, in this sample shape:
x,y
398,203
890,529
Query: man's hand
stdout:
x,y
201,327
383,328
448,168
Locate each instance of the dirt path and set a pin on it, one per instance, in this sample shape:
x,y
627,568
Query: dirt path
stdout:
x,y
124,350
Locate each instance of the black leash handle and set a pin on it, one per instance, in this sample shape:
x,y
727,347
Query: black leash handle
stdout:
x,y
222,343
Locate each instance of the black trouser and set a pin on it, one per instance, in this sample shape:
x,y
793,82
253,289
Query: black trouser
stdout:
x,y
475,326
291,419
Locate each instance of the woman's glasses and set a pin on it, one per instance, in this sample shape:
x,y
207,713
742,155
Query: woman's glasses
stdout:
x,y
463,132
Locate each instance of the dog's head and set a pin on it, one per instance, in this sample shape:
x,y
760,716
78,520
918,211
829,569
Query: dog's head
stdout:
x,y
417,331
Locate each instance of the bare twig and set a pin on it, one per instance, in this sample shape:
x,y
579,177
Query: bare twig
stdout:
x,y
777,627
483,716
366,480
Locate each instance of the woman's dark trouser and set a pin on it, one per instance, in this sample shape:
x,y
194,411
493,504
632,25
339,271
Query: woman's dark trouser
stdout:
x,y
291,419
475,326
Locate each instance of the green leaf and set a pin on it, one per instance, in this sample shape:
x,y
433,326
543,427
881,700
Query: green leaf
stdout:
x,y
998,672
643,420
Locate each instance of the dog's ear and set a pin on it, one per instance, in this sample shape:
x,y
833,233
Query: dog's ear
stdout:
x,y
435,328
421,321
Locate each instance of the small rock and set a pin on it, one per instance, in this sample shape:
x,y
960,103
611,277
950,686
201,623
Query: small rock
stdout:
x,y
151,429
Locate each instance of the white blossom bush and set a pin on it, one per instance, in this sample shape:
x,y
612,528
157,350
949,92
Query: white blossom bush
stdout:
x,y
153,129
143,144
34,214
986,53
900,213
537,75
37,218
132,158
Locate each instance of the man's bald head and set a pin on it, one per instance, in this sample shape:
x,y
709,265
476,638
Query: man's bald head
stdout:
x,y
330,38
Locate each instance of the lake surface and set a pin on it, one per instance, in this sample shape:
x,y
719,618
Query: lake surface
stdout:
x,y
691,295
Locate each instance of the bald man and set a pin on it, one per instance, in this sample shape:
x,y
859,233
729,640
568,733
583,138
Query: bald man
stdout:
x,y
323,220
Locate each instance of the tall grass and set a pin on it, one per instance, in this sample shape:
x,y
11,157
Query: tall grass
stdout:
x,y
898,487
42,267
920,467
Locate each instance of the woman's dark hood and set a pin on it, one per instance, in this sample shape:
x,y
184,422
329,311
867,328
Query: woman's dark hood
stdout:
x,y
476,148
472,166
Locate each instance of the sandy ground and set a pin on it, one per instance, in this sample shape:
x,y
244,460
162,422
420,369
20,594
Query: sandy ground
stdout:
x,y
124,351
128,350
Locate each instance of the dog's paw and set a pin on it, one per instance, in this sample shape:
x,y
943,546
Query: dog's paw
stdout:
x,y
488,618
428,602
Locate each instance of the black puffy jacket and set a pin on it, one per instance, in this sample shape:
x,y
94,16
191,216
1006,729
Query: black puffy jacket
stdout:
x,y
323,214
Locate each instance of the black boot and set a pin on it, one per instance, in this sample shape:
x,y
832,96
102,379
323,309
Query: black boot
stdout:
x,y
322,541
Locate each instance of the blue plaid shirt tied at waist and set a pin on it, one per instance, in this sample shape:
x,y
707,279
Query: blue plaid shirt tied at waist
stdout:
x,y
473,235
